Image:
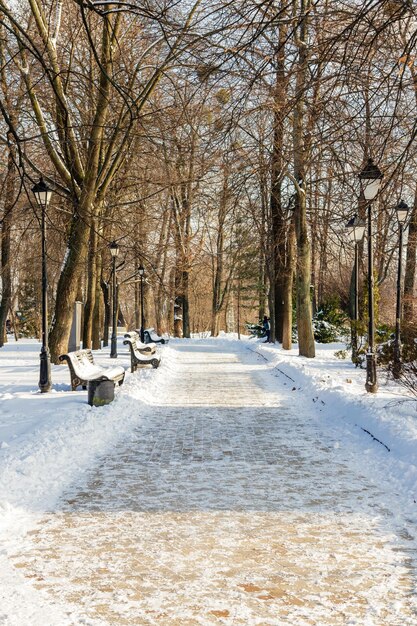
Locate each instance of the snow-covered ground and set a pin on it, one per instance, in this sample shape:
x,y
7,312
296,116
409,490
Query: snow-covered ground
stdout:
x,y
337,389
50,443
47,441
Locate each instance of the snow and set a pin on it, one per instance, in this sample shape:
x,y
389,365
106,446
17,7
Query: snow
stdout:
x,y
338,390
195,439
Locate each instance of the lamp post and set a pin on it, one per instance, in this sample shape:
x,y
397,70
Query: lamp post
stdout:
x,y
402,209
141,272
43,195
114,251
356,231
370,178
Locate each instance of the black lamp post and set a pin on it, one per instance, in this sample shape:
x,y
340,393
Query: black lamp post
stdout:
x,y
402,213
370,178
356,231
141,273
43,195
114,251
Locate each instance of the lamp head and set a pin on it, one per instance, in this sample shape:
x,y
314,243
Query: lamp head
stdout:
x,y
42,193
141,270
114,249
402,209
355,229
370,177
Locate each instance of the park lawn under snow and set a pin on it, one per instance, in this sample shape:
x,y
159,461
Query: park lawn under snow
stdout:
x,y
48,441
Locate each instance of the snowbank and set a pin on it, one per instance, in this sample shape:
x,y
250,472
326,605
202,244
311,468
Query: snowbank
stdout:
x,y
388,419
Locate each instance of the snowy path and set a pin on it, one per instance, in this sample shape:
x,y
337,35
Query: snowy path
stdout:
x,y
229,504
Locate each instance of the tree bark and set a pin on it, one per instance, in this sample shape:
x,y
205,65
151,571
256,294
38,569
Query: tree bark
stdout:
x,y
107,312
6,274
68,287
219,294
287,293
178,302
161,310
91,288
278,221
185,304
410,265
303,279
98,305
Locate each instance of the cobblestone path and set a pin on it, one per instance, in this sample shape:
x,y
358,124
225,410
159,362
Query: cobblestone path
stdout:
x,y
228,505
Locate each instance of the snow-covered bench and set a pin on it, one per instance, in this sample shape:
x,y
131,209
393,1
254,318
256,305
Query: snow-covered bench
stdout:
x,y
83,370
150,336
145,348
139,357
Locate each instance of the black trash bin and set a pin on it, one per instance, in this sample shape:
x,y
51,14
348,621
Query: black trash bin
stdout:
x,y
100,392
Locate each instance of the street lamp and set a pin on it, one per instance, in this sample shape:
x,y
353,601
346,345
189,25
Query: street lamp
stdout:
x,y
356,231
114,251
402,210
370,178
141,272
43,195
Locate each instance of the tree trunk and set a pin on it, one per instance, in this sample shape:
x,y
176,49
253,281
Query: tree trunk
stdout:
x,y
6,275
217,284
304,312
287,292
185,305
182,221
91,288
160,294
178,321
265,271
214,326
172,303
98,306
410,265
221,284
278,222
262,286
178,302
68,287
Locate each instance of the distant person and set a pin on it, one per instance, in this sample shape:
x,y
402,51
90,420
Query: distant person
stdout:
x,y
267,328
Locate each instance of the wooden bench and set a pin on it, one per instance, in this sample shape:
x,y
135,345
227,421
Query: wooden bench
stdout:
x,y
83,370
145,348
140,358
150,336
